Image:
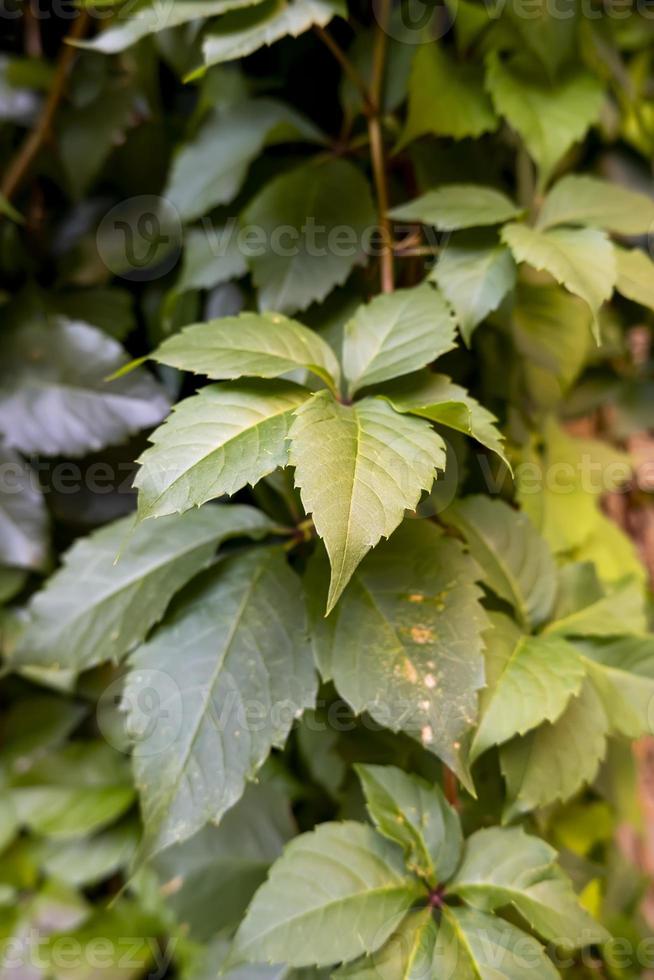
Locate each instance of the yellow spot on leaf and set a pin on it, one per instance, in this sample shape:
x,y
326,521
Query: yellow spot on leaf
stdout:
x,y
422,634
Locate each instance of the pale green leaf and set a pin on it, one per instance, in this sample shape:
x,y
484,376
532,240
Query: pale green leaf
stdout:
x,y
471,945
233,665
408,810
462,107
404,643
622,671
242,32
538,678
555,761
154,17
434,397
516,562
581,259
474,278
359,468
263,345
505,866
406,955
396,334
635,276
314,222
216,442
579,199
549,116
566,477
326,880
621,611
551,330
612,551
457,206
116,583
211,168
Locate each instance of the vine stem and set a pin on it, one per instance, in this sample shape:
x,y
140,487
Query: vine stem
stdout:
x,y
29,149
450,787
345,64
372,102
377,154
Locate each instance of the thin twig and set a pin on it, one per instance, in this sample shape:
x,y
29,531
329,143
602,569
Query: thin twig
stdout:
x,y
372,99
450,787
422,250
29,149
345,64
377,145
33,46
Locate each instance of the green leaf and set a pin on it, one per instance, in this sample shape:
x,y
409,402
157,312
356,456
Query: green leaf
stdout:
x,y
503,866
555,761
462,107
549,116
54,396
407,955
621,611
33,725
211,257
434,397
578,199
404,643
210,169
635,276
23,516
457,206
358,468
326,880
88,861
408,810
396,334
216,442
535,683
325,212
154,17
551,330
474,278
73,791
581,259
516,562
262,345
233,665
210,879
612,551
71,626
110,309
9,211
622,671
244,31
567,476
471,945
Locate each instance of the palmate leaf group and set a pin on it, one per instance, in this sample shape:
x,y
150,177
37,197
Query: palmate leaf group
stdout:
x,y
359,466
348,869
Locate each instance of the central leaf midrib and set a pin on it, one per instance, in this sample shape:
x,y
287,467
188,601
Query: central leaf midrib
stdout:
x,y
220,660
